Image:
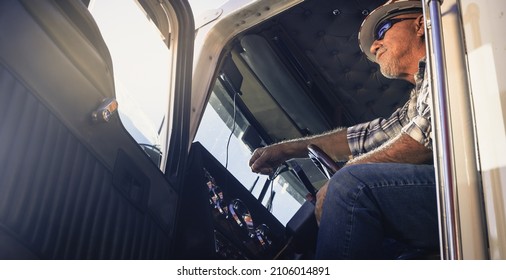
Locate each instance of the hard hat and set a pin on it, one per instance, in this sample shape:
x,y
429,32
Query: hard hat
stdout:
x,y
389,9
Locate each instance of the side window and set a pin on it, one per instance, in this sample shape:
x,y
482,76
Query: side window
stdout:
x,y
142,60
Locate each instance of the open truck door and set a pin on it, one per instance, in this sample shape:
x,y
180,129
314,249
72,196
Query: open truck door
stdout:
x,y
74,182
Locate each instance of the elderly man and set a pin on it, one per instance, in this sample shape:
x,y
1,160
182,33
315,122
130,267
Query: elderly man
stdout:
x,y
387,190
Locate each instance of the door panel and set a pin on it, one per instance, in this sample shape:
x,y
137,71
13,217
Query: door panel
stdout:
x,y
64,191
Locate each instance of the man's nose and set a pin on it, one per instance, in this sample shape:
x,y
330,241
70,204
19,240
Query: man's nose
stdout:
x,y
374,47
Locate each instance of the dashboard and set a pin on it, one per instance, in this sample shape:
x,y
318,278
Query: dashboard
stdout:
x,y
221,219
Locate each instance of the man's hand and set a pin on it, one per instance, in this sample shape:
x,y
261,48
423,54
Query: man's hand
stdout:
x,y
265,160
320,197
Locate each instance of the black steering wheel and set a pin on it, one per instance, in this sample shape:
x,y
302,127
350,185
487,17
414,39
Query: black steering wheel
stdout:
x,y
323,161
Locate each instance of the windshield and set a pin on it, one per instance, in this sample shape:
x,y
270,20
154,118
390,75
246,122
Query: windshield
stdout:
x,y
231,128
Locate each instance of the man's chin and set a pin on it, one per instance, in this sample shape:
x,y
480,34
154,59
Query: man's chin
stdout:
x,y
387,74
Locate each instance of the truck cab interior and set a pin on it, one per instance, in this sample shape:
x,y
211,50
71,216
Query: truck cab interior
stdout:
x,y
296,74
77,183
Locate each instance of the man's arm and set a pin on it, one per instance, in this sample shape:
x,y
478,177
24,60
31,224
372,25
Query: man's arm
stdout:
x,y
335,143
401,149
338,144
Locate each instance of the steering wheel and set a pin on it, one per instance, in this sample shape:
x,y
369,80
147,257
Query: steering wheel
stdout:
x,y
323,161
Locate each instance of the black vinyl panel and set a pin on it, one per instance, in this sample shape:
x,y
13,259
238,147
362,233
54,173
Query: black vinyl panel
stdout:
x,y
56,199
321,38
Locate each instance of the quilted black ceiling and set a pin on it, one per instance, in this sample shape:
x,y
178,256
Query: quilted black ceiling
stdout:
x,y
318,38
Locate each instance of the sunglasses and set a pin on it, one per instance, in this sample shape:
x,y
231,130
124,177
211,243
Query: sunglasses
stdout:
x,y
384,26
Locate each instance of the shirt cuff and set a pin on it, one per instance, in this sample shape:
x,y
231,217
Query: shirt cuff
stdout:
x,y
419,129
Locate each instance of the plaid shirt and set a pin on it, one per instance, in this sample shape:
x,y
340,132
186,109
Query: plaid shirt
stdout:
x,y
412,119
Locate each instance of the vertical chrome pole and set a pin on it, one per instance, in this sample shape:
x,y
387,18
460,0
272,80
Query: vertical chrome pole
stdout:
x,y
448,204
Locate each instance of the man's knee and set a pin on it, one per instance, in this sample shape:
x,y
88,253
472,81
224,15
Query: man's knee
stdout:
x,y
346,185
339,191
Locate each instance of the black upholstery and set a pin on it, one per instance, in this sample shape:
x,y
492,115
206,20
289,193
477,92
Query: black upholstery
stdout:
x,y
323,34
64,192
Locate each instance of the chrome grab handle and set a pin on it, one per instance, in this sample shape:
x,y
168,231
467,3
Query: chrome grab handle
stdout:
x,y
447,193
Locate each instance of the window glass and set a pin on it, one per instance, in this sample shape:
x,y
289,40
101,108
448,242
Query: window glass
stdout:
x,y
141,63
221,131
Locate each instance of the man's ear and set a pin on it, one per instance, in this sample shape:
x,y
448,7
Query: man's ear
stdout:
x,y
420,25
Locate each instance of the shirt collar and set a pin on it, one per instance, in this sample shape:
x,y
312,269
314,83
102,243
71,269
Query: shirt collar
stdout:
x,y
419,76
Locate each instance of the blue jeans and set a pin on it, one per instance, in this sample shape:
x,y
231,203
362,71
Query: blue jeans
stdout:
x,y
368,204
